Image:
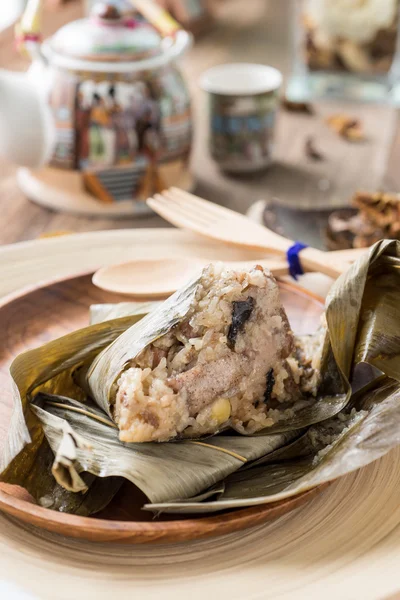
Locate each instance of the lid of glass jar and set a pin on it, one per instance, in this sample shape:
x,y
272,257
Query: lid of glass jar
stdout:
x,y
109,35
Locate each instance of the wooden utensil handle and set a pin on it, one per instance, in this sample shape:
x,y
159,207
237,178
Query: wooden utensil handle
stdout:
x,y
317,260
348,255
157,16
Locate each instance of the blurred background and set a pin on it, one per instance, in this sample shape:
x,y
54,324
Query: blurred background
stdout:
x,y
10,12
334,133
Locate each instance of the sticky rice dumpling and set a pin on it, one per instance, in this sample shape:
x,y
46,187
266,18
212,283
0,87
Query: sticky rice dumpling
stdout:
x,y
225,356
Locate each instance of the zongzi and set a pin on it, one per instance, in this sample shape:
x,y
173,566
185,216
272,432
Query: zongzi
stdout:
x,y
225,356
314,439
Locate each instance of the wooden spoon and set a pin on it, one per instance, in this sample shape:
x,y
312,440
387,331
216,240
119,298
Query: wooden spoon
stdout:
x,y
155,278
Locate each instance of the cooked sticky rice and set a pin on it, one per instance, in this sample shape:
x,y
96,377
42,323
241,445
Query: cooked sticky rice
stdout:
x,y
232,361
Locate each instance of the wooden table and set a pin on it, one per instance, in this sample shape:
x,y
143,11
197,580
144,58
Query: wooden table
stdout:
x,y
257,31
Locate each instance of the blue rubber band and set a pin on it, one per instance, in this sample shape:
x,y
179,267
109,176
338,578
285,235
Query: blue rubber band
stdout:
x,y
295,268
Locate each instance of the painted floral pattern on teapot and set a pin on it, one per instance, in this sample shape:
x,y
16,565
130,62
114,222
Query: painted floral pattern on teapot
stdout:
x,y
115,103
108,120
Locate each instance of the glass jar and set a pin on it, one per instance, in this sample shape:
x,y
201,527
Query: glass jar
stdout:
x,y
345,49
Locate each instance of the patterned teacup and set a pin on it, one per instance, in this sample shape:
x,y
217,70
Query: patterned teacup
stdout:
x,y
243,101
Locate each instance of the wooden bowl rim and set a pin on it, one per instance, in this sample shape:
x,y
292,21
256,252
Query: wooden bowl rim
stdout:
x,y
166,531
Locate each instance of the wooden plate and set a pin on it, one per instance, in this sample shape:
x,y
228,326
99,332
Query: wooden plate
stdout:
x,y
62,190
36,316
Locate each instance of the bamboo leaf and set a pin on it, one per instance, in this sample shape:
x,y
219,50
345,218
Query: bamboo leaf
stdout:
x,y
109,364
307,463
82,441
107,312
50,368
361,312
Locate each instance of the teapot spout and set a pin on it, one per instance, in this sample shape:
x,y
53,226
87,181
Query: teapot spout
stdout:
x,y
26,125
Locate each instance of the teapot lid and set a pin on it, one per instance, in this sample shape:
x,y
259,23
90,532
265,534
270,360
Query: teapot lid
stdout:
x,y
109,34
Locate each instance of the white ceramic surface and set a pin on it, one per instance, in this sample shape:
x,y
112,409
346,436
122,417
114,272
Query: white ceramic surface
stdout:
x,y
27,129
241,79
243,102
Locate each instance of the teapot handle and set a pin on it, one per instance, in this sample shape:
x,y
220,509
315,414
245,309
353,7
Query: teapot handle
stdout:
x,y
157,16
183,41
28,30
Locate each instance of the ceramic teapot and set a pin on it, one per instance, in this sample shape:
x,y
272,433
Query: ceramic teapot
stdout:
x,y
103,97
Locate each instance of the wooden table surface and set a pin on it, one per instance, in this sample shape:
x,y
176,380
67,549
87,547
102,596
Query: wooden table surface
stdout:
x,y
252,31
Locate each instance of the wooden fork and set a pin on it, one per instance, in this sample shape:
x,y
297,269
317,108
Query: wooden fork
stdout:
x,y
217,222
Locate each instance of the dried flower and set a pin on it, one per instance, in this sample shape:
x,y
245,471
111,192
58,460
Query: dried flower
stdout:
x,y
349,128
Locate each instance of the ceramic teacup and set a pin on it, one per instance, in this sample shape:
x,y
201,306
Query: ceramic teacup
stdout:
x,y
243,101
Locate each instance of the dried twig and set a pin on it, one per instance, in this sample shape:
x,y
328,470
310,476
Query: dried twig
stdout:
x,y
311,151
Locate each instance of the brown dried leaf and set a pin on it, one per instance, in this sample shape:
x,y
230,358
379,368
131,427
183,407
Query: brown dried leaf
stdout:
x,y
297,107
311,151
